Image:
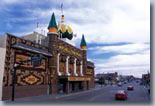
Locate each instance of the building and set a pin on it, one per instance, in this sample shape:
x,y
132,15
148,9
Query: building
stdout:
x,y
128,78
146,79
63,68
110,78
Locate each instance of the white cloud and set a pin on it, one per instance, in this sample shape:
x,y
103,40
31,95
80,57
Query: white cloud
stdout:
x,y
104,21
132,59
113,23
9,1
128,48
134,64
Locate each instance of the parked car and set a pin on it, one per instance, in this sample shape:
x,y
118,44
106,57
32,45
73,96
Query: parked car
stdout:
x,y
130,88
141,83
149,90
125,82
119,84
121,95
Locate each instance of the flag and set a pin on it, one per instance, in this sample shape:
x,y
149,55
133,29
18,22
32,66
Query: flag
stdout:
x,y
62,7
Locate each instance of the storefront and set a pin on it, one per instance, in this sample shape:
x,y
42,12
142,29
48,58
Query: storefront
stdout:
x,y
73,84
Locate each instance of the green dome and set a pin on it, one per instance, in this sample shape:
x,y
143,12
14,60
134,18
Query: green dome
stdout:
x,y
66,31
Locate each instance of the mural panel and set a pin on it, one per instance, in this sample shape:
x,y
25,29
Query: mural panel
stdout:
x,y
62,68
28,65
71,69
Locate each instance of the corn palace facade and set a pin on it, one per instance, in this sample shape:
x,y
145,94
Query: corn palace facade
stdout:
x,y
63,69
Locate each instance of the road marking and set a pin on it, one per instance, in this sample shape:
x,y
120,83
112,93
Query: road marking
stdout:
x,y
94,97
100,95
145,93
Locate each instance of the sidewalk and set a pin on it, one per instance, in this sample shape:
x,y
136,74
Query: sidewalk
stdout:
x,y
44,98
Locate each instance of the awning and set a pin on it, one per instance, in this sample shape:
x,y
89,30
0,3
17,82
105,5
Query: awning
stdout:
x,y
31,49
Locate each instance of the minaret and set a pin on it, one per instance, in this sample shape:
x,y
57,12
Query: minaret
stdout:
x,y
84,53
52,27
52,45
84,59
83,43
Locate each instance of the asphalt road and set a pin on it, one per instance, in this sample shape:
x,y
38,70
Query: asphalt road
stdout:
x,y
106,94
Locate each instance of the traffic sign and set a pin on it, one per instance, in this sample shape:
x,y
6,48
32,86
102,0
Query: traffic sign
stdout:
x,y
36,60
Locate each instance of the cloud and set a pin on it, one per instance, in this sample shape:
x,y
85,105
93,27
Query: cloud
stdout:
x,y
122,49
101,21
124,64
9,1
112,23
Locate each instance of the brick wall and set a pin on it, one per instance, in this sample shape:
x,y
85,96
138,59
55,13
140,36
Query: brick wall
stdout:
x,y
26,75
2,61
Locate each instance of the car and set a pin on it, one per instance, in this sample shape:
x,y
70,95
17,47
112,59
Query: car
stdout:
x,y
141,83
149,90
125,82
119,84
130,88
121,95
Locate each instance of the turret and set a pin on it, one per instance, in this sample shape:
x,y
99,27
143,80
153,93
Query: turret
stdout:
x,y
83,44
52,27
53,46
84,54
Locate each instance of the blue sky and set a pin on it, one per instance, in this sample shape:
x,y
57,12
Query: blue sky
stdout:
x,y
117,32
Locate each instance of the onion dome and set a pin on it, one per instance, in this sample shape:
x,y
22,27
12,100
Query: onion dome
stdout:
x,y
83,43
66,31
52,27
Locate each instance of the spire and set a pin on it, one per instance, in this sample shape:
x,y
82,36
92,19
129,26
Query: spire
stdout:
x,y
83,43
52,27
62,16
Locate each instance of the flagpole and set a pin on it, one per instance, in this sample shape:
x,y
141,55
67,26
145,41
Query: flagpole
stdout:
x,y
62,8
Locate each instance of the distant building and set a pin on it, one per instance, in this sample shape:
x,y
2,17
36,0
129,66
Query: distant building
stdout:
x,y
110,78
126,78
146,78
37,38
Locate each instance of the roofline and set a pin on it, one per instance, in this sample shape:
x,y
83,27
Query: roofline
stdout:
x,y
31,50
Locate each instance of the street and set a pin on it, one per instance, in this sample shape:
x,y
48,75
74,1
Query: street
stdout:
x,y
106,94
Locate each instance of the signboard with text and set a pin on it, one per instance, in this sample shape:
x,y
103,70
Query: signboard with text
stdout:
x,y
78,79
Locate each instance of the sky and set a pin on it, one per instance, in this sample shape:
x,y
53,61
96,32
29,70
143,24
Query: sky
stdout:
x,y
117,32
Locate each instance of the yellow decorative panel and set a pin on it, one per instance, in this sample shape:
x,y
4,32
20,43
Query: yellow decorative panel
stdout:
x,y
20,57
78,79
89,71
71,69
78,69
70,51
31,79
62,68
